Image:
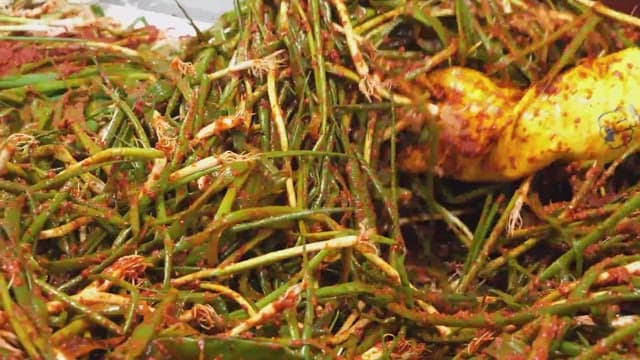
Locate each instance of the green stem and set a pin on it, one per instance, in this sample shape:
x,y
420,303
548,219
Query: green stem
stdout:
x,y
97,160
602,229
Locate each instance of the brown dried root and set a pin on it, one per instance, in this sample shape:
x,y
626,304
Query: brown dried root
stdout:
x,y
205,316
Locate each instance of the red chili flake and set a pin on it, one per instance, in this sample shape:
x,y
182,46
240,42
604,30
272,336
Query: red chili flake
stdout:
x,y
334,55
67,68
139,106
592,250
13,54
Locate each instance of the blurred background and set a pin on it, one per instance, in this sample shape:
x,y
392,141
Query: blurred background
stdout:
x,y
166,14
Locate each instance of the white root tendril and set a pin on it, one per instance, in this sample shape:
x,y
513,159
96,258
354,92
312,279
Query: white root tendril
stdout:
x,y
367,87
404,349
272,61
289,299
15,142
167,134
474,345
153,177
205,315
9,343
515,217
223,123
256,67
22,142
184,68
351,326
128,268
211,162
229,156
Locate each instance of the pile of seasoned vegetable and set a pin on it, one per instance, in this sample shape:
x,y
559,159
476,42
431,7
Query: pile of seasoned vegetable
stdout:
x,y
287,184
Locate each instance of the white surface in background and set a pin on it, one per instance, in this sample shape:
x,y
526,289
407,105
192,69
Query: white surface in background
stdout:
x,y
174,25
166,15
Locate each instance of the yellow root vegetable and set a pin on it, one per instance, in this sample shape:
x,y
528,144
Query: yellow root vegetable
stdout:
x,y
492,133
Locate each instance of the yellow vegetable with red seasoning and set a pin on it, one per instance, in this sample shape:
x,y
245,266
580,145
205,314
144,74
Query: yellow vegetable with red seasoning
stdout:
x,y
493,133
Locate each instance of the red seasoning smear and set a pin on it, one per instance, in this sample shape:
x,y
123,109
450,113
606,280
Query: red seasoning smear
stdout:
x,y
13,54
